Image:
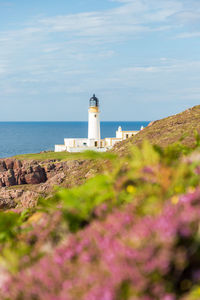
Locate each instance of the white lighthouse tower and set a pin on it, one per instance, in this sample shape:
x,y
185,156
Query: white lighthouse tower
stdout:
x,y
94,135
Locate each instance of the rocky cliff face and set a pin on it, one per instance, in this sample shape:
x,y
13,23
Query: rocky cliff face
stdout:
x,y
15,172
23,182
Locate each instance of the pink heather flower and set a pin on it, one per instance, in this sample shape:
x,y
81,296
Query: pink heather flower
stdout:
x,y
148,170
169,297
95,262
190,196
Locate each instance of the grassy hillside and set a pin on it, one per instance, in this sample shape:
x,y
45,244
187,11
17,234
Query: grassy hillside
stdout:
x,y
47,155
169,130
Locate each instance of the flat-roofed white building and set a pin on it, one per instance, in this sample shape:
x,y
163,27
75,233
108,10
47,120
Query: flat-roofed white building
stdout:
x,y
94,141
122,134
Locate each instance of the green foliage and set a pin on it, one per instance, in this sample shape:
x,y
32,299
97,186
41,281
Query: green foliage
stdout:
x,y
78,204
91,155
197,138
62,156
145,176
47,156
9,225
195,294
124,291
144,156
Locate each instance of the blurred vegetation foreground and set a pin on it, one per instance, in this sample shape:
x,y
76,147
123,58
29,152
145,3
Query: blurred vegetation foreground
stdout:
x,y
131,231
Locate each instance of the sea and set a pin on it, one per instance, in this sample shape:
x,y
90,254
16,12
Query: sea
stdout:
x,y
34,137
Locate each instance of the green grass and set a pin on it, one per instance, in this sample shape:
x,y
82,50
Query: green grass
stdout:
x,y
62,156
47,156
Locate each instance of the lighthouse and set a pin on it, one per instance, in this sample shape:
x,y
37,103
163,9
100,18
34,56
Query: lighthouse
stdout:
x,y
94,142
94,135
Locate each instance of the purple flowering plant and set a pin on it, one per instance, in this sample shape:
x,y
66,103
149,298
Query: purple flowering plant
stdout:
x,y
130,233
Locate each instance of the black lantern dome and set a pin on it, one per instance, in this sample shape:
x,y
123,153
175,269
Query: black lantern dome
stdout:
x,y
94,101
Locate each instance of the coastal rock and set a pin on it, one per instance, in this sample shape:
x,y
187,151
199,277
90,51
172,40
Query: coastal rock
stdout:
x,y
49,167
9,163
54,181
29,199
50,170
9,178
15,172
91,173
8,197
35,175
73,163
17,164
2,166
7,203
37,178
57,179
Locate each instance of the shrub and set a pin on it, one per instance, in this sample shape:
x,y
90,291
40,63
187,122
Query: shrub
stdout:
x,y
130,233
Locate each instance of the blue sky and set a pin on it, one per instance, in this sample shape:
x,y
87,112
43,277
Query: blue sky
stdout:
x,y
141,58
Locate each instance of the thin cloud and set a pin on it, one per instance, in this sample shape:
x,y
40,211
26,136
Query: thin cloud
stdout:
x,y
188,35
65,49
165,66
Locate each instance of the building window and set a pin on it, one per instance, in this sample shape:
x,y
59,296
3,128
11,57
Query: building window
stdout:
x,y
95,116
127,136
95,144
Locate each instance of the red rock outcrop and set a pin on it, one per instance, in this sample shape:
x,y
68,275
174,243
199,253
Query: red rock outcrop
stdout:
x,y
15,172
40,178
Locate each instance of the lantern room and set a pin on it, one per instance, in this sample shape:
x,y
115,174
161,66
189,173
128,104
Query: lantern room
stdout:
x,y
94,101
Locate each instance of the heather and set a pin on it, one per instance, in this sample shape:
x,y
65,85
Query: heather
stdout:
x,y
132,232
168,130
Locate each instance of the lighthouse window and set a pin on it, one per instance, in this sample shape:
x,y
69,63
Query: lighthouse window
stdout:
x,y
95,116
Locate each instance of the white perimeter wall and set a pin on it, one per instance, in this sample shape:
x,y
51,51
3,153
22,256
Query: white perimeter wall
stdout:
x,y
60,148
110,142
82,149
76,142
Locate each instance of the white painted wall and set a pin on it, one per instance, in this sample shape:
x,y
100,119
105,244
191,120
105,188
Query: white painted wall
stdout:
x,y
76,142
94,126
69,142
110,142
60,148
129,134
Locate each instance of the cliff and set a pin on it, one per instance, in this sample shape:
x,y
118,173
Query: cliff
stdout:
x,y
22,182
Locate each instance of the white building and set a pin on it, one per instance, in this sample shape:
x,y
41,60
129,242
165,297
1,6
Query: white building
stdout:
x,y
94,141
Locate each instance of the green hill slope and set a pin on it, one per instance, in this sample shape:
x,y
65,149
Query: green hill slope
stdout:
x,y
167,131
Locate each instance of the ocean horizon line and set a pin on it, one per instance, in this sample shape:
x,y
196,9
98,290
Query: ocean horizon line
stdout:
x,y
73,121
